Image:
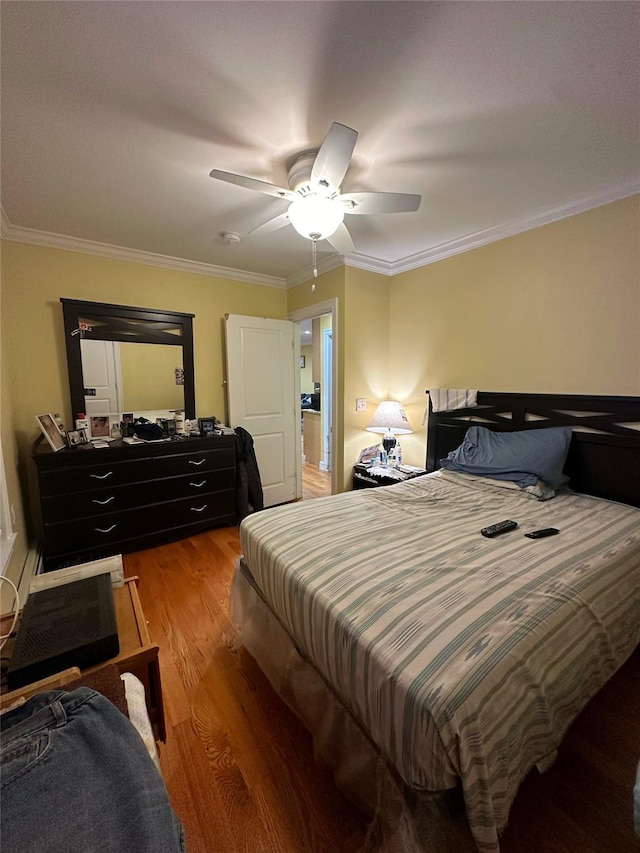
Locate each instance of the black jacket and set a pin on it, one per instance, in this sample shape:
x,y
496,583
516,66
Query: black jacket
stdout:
x,y
249,496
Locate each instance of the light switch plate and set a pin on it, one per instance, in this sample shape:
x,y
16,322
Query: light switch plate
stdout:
x,y
361,404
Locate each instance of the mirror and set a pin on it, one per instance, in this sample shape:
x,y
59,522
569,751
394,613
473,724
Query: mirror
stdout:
x,y
127,377
124,359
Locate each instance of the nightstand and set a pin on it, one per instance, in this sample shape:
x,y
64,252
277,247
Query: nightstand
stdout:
x,y
364,479
137,655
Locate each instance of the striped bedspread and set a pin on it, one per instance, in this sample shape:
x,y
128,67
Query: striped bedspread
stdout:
x,y
465,658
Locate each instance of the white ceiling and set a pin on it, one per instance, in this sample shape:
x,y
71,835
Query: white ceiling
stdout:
x,y
502,115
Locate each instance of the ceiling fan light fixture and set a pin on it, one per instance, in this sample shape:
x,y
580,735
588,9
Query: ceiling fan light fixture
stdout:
x,y
316,217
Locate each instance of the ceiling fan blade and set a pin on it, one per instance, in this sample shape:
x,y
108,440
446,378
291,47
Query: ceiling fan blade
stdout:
x,y
253,184
334,156
380,202
272,224
341,240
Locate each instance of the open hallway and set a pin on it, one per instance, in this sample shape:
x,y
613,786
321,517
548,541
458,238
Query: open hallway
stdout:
x,y
315,483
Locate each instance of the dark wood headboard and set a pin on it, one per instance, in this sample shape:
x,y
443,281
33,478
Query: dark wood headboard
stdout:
x,y
604,456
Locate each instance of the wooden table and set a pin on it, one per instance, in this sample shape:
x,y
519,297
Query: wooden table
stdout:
x,y
138,655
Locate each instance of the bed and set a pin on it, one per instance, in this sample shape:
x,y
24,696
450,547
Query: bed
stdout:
x,y
429,661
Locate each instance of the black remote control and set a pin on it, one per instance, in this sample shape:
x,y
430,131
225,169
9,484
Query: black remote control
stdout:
x,y
540,534
497,529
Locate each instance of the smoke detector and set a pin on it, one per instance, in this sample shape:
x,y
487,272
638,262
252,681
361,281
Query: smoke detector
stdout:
x,y
231,238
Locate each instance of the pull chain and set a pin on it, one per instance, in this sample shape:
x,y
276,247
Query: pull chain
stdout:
x,y
314,237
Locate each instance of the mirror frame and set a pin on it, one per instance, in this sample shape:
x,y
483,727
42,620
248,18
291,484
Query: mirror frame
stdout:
x,y
73,309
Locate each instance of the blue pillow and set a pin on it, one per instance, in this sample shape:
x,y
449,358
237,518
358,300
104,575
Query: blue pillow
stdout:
x,y
524,457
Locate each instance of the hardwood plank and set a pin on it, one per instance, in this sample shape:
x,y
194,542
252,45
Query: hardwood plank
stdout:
x,y
315,483
195,796
239,765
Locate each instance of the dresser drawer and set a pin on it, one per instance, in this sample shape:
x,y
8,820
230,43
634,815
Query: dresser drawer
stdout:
x,y
79,479
98,502
83,534
196,510
131,496
194,484
194,463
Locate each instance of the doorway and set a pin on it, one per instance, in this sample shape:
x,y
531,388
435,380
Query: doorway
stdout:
x,y
318,387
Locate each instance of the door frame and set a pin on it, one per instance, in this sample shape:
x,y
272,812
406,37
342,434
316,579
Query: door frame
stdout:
x,y
327,422
329,306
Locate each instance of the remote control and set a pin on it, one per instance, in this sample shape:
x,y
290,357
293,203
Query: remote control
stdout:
x,y
497,529
540,534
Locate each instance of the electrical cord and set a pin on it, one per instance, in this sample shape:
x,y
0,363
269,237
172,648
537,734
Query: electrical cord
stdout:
x,y
5,637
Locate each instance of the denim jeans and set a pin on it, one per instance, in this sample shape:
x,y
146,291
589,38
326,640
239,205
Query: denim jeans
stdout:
x,y
76,778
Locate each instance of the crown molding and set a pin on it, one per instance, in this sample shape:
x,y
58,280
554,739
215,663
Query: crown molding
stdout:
x,y
606,195
325,265
371,264
107,250
366,262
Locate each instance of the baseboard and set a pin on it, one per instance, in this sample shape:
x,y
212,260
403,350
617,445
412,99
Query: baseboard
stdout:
x,y
32,566
112,564
23,581
6,549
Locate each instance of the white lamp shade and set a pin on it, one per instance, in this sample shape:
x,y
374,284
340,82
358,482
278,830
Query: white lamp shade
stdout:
x,y
315,216
390,417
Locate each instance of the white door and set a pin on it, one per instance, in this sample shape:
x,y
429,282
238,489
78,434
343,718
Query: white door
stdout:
x,y
101,375
263,388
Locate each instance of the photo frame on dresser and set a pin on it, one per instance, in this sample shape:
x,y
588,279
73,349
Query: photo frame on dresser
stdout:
x,y
207,425
51,432
76,437
99,425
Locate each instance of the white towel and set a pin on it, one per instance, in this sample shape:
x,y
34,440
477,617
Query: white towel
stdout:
x,y
447,399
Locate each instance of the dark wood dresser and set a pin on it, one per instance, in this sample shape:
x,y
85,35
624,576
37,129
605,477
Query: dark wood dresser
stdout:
x,y
98,502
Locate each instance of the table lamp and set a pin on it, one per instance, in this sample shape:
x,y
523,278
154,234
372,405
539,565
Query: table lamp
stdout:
x,y
390,419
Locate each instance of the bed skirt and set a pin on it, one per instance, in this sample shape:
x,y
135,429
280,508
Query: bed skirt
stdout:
x,y
400,819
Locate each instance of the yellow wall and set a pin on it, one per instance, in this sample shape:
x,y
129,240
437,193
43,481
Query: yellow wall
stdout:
x,y
148,377
34,366
555,309
11,463
366,358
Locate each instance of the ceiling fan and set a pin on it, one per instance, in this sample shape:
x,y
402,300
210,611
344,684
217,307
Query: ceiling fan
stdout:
x,y
317,206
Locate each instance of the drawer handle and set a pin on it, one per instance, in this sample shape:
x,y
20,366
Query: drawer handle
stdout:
x,y
108,530
198,509
193,462
101,476
198,485
103,503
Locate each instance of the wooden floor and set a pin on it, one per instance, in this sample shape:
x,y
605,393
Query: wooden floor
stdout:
x,y
239,766
315,483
